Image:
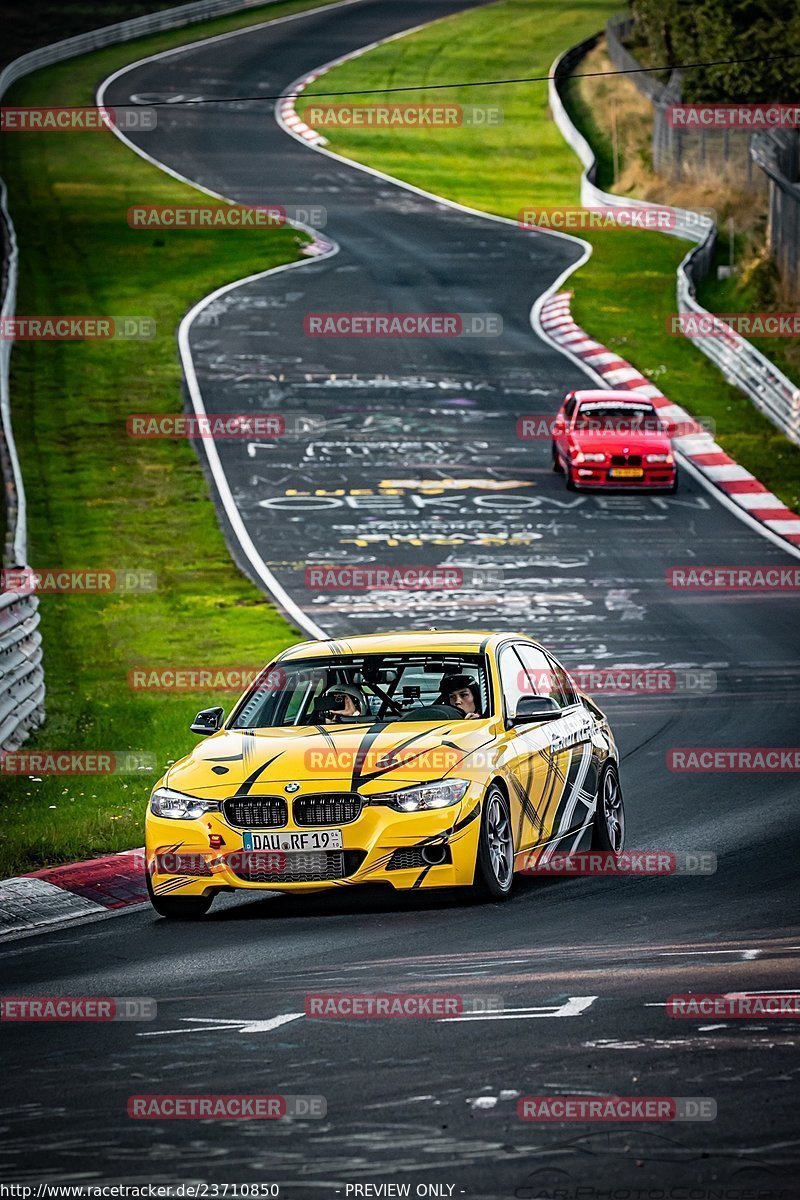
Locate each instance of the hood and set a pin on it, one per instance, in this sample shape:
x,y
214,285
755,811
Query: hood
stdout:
x,y
369,758
611,442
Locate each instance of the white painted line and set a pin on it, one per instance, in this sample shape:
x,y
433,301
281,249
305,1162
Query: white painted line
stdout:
x,y
243,1025
573,1007
246,543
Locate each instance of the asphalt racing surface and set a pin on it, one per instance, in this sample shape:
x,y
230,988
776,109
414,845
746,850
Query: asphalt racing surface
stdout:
x,y
421,452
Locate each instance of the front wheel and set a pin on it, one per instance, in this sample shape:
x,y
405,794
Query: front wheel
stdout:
x,y
609,818
494,865
179,908
556,460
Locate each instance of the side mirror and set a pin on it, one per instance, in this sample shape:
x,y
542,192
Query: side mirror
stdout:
x,y
535,708
208,721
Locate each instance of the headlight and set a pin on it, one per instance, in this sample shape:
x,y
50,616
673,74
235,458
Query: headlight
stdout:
x,y
659,458
429,795
166,803
580,457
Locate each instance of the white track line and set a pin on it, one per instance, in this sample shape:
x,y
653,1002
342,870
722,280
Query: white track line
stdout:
x,y
246,543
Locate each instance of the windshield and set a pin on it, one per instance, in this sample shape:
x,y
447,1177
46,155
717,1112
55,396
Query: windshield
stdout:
x,y
618,418
362,689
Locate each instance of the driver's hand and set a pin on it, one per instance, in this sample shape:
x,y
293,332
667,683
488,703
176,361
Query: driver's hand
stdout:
x,y
471,717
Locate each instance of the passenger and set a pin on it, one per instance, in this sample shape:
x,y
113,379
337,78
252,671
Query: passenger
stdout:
x,y
350,704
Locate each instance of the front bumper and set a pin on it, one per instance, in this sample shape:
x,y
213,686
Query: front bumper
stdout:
x,y
652,478
186,858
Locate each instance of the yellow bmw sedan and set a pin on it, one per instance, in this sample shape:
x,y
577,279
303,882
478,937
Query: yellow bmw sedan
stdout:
x,y
417,759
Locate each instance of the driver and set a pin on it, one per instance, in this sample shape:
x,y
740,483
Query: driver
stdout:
x,y
463,693
343,703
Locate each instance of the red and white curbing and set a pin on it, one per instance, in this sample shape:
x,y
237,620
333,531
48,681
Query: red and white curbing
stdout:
x,y
288,114
697,446
73,893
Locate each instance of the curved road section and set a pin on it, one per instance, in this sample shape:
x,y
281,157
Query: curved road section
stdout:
x,y
417,462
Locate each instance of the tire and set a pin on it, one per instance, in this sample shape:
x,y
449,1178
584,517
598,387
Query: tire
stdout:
x,y
571,486
494,866
179,908
556,461
608,832
673,489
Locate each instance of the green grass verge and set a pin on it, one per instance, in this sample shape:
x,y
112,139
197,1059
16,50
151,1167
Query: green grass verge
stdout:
x,y
626,292
97,498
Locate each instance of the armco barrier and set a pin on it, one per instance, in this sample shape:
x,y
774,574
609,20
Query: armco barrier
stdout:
x,y
22,687
21,675
775,395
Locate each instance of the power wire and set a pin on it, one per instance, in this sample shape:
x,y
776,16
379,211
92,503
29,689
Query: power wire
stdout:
x,y
422,87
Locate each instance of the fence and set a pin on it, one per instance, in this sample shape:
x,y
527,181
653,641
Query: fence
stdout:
x,y
22,688
778,155
742,365
681,153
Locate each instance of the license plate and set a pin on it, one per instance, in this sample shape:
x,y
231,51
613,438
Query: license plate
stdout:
x,y
320,839
627,472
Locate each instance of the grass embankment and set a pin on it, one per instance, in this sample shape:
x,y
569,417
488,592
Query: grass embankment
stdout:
x,y
98,498
625,294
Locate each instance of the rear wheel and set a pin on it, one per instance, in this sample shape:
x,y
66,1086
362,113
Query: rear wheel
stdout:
x,y
609,817
179,908
494,866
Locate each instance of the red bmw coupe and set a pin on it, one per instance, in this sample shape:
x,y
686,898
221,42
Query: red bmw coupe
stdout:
x,y
607,439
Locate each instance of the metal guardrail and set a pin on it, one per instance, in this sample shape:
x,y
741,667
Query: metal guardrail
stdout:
x,y
22,687
21,674
772,392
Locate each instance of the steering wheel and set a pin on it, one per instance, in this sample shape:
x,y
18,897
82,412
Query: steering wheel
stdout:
x,y
432,712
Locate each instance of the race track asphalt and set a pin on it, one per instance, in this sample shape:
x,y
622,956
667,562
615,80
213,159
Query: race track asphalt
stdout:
x,y
426,1102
